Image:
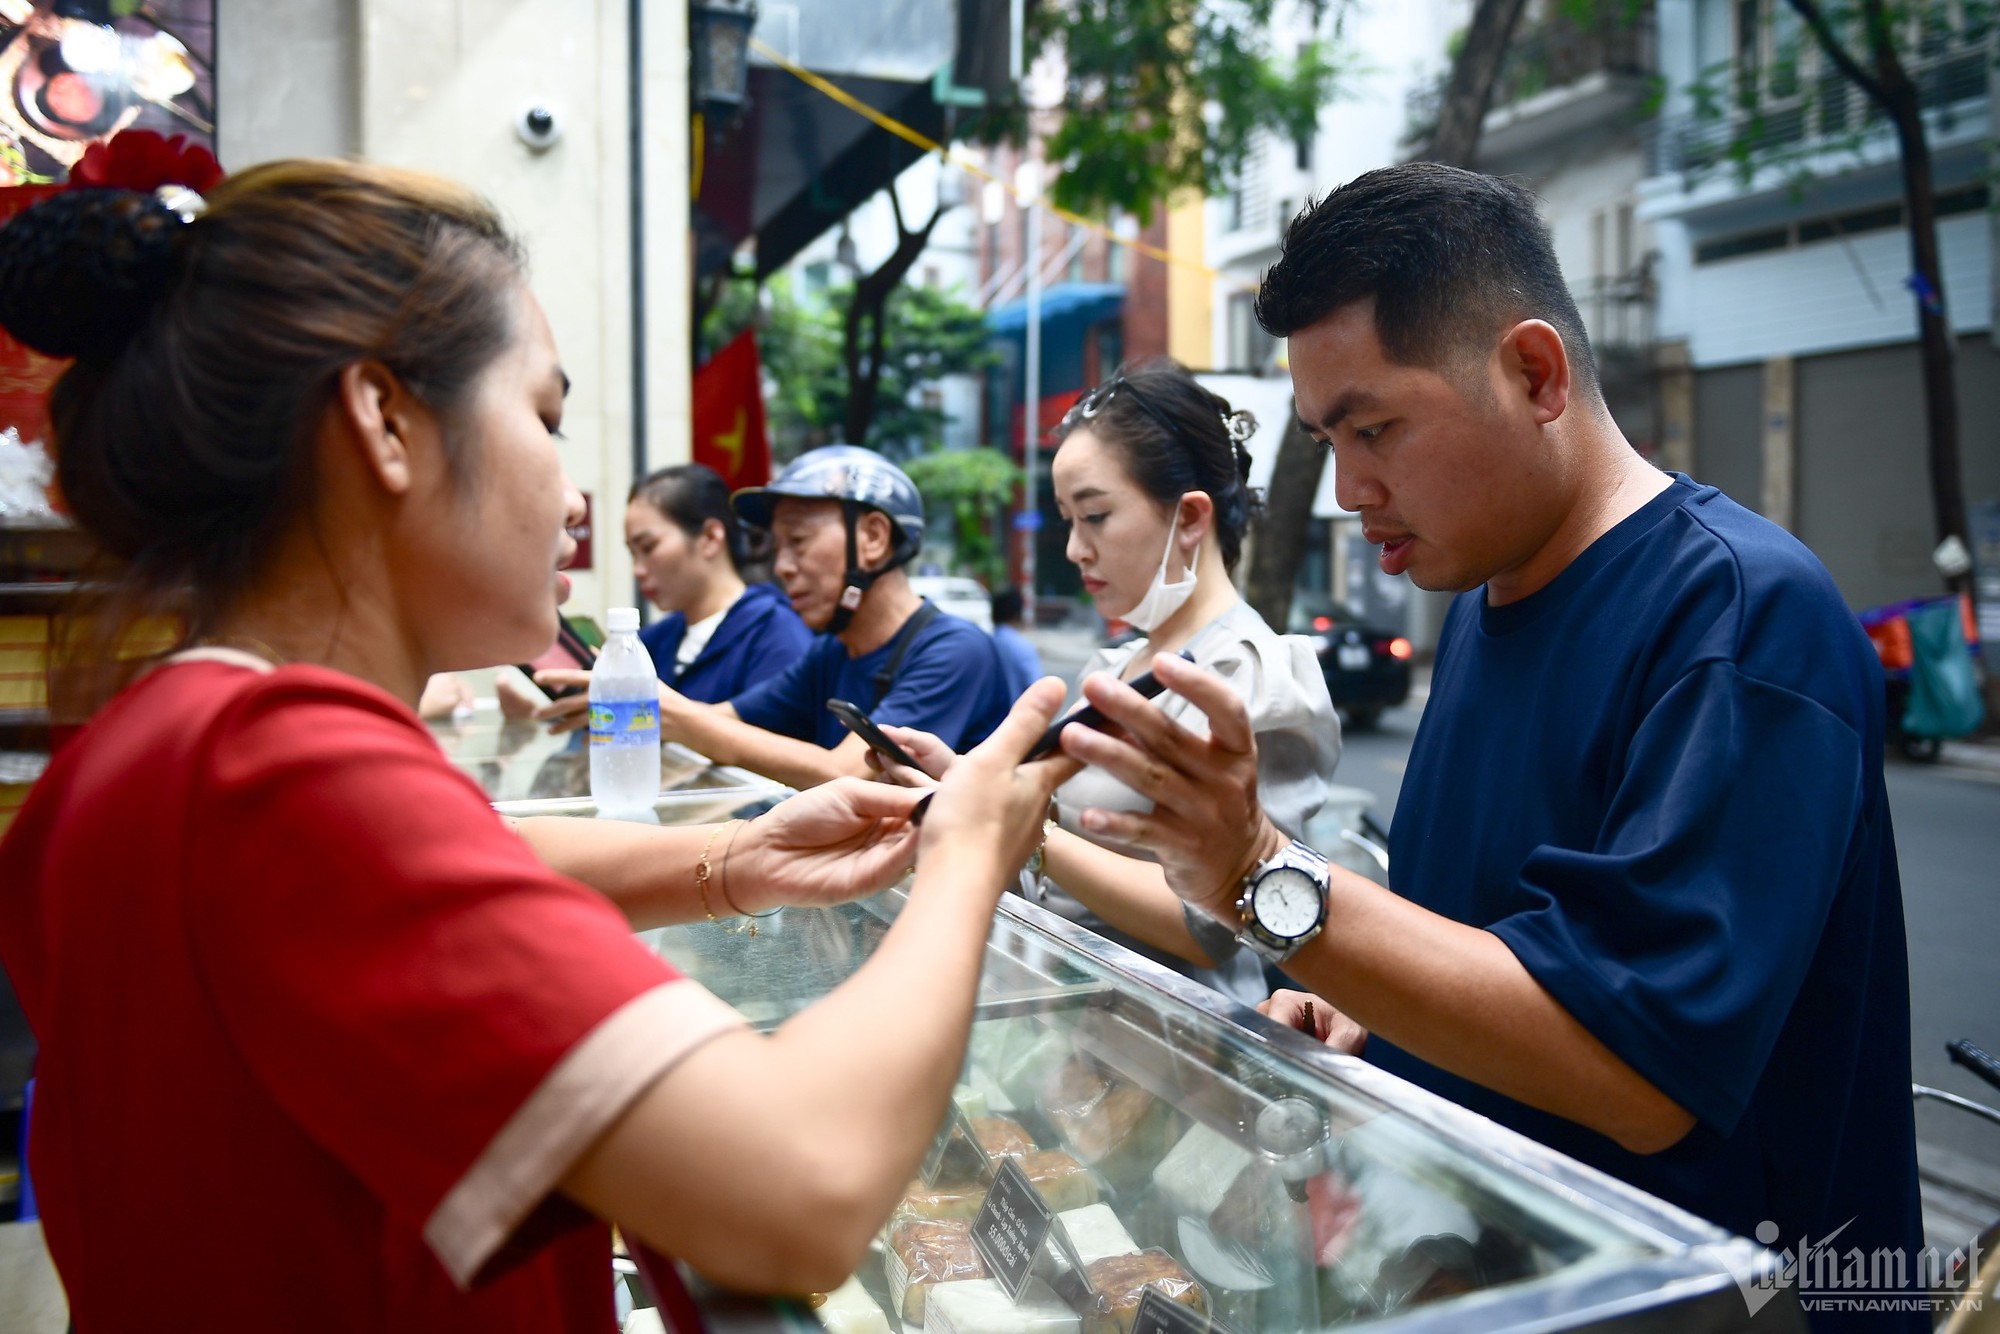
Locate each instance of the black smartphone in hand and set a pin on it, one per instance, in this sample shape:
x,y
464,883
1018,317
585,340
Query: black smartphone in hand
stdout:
x,y
1148,686
573,644
859,723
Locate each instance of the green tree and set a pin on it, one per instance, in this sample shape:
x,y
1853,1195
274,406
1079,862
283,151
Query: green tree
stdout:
x,y
971,489
1166,96
927,335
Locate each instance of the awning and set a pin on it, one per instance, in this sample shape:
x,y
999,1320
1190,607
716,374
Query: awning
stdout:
x,y
1064,303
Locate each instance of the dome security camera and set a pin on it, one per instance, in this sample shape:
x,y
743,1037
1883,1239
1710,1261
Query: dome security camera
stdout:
x,y
539,126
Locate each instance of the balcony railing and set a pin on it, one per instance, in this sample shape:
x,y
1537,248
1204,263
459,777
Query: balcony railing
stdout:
x,y
1551,55
1617,312
1828,112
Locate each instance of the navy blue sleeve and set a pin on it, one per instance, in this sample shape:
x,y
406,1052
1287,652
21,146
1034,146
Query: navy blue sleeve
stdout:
x,y
791,702
782,642
949,685
1682,937
662,640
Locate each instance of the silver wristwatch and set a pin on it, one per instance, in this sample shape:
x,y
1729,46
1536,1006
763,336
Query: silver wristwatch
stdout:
x,y
1283,905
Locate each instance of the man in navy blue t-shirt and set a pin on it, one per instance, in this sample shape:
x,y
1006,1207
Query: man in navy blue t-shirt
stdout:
x,y
846,520
1645,902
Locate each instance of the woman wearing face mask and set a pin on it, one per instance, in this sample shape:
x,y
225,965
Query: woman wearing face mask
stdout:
x,y
1152,477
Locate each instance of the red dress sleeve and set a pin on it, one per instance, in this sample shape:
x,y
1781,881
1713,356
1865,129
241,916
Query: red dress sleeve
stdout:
x,y
448,1017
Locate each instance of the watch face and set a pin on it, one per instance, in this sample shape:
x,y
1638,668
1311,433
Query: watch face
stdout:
x,y
1287,902
1290,1125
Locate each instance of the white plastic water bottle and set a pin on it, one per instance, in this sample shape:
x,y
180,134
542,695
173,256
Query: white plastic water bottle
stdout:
x,y
624,723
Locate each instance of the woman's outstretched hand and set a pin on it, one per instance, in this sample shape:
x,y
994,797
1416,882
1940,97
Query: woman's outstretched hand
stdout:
x,y
987,799
828,844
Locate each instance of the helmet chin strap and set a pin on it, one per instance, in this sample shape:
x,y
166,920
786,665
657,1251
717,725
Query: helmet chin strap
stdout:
x,y
857,581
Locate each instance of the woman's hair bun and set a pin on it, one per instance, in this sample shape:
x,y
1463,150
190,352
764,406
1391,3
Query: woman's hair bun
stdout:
x,y
81,271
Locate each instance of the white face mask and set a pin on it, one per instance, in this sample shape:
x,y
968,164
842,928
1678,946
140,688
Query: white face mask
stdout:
x,y
1163,599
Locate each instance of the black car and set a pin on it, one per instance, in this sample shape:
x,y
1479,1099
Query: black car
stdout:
x,y
1367,669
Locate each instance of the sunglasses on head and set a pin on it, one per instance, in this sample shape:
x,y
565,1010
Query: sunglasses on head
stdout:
x,y
1095,401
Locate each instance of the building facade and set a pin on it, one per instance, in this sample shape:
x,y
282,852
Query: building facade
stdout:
x,y
1785,291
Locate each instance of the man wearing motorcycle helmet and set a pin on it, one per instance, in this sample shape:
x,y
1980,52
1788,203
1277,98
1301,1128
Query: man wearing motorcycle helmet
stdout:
x,y
846,521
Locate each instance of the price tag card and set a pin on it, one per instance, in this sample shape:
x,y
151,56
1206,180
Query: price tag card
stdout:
x,y
1161,1314
1017,1232
957,1154
1011,1228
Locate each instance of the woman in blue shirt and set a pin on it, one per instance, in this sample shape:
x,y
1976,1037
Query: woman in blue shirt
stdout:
x,y
722,634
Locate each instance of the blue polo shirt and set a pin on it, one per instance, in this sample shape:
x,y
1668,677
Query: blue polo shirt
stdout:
x,y
949,685
760,635
1659,781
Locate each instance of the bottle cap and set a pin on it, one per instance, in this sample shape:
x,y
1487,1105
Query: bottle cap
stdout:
x,y
622,620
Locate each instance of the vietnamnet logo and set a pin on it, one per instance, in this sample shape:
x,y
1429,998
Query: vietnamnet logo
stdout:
x,y
1829,1278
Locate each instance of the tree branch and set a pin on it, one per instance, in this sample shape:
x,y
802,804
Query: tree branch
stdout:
x,y
870,301
1474,74
1889,72
1829,41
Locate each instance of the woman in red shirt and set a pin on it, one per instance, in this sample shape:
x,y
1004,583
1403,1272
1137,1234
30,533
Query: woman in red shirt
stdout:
x,y
324,1045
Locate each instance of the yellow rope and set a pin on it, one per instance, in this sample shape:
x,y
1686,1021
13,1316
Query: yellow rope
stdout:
x,y
965,164
700,155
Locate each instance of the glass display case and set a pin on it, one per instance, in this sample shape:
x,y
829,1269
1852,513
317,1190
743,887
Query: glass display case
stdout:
x,y
517,761
1256,1181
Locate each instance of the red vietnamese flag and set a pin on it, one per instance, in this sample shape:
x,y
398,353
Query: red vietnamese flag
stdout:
x,y
729,433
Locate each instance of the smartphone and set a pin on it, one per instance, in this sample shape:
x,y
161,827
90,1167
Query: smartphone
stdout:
x,y
1147,685
859,723
573,644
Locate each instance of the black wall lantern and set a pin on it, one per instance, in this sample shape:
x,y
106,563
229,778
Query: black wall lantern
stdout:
x,y
719,47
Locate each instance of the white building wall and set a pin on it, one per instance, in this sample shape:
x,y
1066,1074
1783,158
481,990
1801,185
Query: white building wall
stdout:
x,y
290,97
1831,296
436,85
1394,46
1581,195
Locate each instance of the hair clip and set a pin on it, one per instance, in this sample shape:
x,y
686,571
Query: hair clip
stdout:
x,y
181,201
1240,425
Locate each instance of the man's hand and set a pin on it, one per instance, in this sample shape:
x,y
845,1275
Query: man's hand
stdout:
x,y
1206,829
832,843
1310,1014
933,757
564,715
517,702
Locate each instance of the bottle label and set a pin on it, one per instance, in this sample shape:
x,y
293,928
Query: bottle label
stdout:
x,y
625,722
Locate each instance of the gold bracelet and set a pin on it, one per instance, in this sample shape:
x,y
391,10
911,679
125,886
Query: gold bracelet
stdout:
x,y
701,873
1039,859
724,885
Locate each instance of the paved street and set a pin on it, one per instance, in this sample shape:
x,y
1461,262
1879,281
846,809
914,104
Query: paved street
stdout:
x,y
1948,842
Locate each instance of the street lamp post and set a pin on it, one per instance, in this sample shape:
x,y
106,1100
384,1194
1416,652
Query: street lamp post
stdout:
x,y
1031,419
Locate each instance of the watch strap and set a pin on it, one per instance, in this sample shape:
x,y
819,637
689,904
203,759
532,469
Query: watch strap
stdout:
x,y
1215,938
1295,855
